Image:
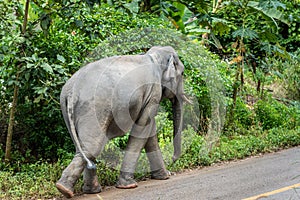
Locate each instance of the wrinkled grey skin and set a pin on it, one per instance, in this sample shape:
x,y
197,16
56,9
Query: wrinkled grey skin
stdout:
x,y
109,97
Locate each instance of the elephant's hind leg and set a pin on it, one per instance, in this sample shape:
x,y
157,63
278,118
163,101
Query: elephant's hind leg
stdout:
x,y
93,139
70,176
91,184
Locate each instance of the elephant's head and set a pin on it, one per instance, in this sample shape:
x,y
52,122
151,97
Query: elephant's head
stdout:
x,y
172,87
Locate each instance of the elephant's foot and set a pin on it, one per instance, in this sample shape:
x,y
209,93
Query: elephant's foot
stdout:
x,y
161,174
126,181
92,188
67,191
91,184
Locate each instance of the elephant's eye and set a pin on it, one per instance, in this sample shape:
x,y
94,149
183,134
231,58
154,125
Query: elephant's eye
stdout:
x,y
182,73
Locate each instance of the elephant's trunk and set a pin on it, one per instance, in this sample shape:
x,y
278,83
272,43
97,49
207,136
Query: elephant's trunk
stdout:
x,y
177,123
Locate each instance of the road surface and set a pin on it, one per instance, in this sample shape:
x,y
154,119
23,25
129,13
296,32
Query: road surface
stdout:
x,y
274,176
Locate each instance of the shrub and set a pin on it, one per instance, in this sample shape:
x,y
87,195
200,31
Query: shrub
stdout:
x,y
51,57
272,114
291,76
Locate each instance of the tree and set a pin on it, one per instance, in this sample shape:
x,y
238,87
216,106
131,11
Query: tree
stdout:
x,y
16,89
56,43
230,29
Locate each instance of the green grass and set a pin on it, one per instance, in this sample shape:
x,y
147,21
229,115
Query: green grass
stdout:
x,y
34,181
37,181
238,147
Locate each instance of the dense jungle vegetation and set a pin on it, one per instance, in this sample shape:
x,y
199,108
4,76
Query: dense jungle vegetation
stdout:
x,y
242,73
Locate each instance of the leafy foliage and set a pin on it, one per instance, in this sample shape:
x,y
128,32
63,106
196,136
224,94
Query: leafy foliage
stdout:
x,y
61,36
237,147
274,114
44,60
288,71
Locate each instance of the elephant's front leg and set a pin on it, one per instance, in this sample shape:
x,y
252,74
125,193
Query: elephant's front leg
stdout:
x,y
132,153
142,130
157,166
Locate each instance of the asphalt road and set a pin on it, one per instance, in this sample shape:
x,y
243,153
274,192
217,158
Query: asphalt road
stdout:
x,y
274,176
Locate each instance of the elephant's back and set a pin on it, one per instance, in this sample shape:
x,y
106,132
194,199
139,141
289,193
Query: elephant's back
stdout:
x,y
111,86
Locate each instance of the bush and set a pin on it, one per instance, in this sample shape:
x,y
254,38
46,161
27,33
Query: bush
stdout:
x,y
30,181
291,76
243,119
49,60
272,114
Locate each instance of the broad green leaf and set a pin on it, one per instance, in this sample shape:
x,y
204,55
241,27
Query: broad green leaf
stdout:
x,y
38,99
133,7
110,2
60,69
11,82
272,13
183,11
271,4
47,68
216,41
27,76
35,57
30,65
276,14
45,22
40,90
61,58
245,33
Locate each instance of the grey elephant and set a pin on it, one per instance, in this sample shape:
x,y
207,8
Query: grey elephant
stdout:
x,y
107,98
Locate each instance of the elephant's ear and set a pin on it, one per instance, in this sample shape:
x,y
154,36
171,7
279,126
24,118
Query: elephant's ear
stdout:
x,y
171,70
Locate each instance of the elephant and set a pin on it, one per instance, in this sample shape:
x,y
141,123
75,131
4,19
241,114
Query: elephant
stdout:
x,y
109,97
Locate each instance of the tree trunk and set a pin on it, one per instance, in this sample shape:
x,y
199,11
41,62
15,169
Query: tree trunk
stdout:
x,y
15,97
234,94
242,74
11,123
258,86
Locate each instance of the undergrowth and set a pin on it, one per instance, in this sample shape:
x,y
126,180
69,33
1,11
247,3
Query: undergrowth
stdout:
x,y
37,181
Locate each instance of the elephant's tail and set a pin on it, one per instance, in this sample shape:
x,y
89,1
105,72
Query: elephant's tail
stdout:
x,y
90,164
